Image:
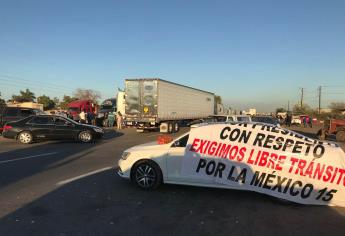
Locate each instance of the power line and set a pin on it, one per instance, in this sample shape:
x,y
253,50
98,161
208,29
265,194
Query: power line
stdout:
x,y
333,86
35,81
40,86
36,88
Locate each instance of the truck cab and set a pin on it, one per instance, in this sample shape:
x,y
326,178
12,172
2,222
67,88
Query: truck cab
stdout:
x,y
108,105
75,107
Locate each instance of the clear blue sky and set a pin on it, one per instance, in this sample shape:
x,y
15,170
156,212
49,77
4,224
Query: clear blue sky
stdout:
x,y
252,53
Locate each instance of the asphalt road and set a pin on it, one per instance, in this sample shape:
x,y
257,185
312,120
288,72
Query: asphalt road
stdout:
x,y
69,188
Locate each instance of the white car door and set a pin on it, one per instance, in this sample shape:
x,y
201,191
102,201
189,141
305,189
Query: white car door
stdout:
x,y
175,161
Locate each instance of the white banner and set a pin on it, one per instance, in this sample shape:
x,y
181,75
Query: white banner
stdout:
x,y
268,160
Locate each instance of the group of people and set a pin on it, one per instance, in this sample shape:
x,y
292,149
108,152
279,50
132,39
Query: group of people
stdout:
x,y
87,117
307,121
111,119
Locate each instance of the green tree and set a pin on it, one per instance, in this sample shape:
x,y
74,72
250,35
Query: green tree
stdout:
x,y
280,109
25,96
56,102
304,110
87,94
337,107
46,101
66,100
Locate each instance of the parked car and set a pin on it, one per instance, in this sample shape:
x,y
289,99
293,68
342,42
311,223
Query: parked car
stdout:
x,y
50,127
296,120
8,114
243,157
266,120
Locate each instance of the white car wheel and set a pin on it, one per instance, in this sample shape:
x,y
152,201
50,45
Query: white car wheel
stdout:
x,y
85,136
25,137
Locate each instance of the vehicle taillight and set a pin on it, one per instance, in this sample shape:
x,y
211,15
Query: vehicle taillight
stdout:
x,y
164,139
7,127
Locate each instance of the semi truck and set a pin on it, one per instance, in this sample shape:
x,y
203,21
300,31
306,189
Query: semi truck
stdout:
x,y
156,104
75,107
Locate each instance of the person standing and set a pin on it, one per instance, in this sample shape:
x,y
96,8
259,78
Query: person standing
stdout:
x,y
93,118
288,120
305,121
82,117
69,115
89,117
119,120
310,122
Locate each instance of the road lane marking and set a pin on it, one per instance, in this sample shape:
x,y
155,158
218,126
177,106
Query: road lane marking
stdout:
x,y
29,157
83,175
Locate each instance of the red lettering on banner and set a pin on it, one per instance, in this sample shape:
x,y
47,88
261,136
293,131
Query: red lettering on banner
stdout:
x,y
194,144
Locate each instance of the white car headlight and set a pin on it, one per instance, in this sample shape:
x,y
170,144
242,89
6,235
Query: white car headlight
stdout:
x,y
125,155
98,130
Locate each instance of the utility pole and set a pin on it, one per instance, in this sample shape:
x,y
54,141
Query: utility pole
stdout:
x,y
288,108
302,93
319,100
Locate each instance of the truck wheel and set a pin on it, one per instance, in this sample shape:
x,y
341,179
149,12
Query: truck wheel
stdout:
x,y
340,136
176,127
321,134
170,128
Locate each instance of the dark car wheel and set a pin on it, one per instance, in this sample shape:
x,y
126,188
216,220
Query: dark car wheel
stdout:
x,y
85,136
25,137
147,175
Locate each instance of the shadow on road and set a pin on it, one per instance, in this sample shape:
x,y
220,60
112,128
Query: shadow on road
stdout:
x,y
104,204
60,152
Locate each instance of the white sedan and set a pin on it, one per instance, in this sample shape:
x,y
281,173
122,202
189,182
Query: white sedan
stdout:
x,y
148,165
246,156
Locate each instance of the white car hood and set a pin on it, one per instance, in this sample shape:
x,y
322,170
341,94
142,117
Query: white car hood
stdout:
x,y
149,146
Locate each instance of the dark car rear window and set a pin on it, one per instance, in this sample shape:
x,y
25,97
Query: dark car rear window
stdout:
x,y
12,111
41,120
26,112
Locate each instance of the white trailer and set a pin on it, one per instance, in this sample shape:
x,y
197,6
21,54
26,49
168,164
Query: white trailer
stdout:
x,y
156,103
